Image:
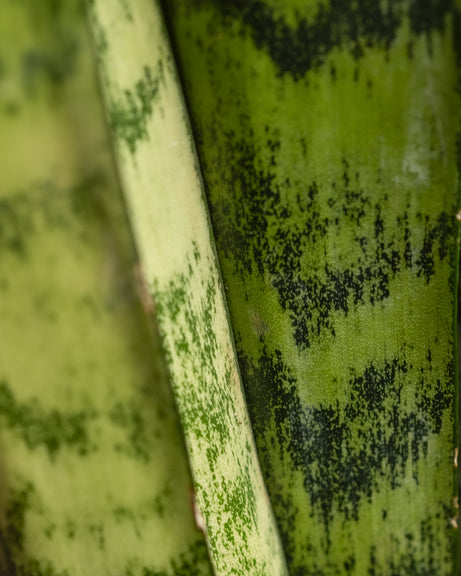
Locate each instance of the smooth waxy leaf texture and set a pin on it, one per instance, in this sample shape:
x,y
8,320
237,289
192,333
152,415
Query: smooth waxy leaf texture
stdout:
x,y
327,134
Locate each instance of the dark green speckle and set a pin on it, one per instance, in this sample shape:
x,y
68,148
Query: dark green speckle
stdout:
x,y
129,116
37,426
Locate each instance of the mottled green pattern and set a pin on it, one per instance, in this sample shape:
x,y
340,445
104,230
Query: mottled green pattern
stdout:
x,y
129,117
163,189
327,136
93,473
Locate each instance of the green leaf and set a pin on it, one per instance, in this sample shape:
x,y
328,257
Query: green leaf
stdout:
x,y
327,135
328,139
163,189
94,476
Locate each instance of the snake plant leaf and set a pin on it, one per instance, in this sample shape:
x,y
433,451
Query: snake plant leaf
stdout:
x,y
93,471
328,136
163,190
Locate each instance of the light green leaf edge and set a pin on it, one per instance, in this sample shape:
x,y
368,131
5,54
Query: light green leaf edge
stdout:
x,y
163,190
